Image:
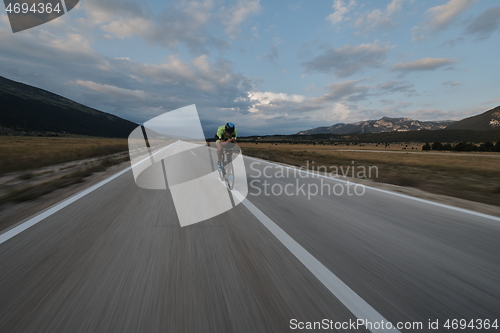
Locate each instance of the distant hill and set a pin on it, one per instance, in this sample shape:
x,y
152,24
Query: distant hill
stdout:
x,y
24,108
384,124
385,137
488,120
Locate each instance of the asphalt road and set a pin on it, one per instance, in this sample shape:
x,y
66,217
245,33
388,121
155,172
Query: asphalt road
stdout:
x,y
117,260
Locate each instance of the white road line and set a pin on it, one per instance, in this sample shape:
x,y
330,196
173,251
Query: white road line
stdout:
x,y
34,220
462,210
339,289
31,222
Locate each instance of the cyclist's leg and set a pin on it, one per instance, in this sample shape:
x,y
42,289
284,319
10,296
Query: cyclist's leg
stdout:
x,y
219,150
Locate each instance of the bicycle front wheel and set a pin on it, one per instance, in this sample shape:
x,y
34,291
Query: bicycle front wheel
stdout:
x,y
222,172
230,175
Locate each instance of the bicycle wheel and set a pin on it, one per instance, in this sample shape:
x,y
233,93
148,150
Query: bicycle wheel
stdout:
x,y
229,173
222,172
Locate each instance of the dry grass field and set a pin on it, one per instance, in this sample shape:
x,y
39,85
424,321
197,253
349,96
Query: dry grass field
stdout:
x,y
471,176
20,153
34,167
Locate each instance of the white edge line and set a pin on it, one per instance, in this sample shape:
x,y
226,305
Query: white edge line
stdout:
x,y
462,210
34,220
351,300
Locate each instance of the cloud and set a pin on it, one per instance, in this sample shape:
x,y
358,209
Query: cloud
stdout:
x,y
485,24
183,22
100,13
341,8
349,59
114,91
121,86
215,83
339,91
127,27
492,101
368,21
423,64
394,86
334,105
51,50
440,17
142,89
452,42
378,19
273,54
438,114
451,83
234,16
272,98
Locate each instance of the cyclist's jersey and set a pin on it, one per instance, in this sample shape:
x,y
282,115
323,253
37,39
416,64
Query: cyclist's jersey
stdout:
x,y
221,133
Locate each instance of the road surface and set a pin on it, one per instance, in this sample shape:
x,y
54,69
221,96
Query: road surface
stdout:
x,y
117,260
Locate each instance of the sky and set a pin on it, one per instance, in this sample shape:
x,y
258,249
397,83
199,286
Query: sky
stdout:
x,y
270,67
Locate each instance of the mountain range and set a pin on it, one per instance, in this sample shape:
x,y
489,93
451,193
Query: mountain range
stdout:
x,y
384,124
33,110
488,120
27,109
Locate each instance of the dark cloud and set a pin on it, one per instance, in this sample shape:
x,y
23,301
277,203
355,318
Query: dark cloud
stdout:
x,y
186,25
485,24
68,66
181,23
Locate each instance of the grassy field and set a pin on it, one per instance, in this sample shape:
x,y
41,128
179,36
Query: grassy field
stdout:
x,y
471,176
20,153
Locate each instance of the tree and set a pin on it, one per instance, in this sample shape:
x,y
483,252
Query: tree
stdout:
x,y
446,146
460,146
464,146
487,146
427,146
497,146
437,146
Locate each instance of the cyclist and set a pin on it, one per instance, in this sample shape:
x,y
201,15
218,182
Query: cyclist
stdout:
x,y
225,136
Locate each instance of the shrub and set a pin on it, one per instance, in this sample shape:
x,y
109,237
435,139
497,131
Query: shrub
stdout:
x,y
437,146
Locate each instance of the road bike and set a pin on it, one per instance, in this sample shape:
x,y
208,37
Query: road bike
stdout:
x,y
226,171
